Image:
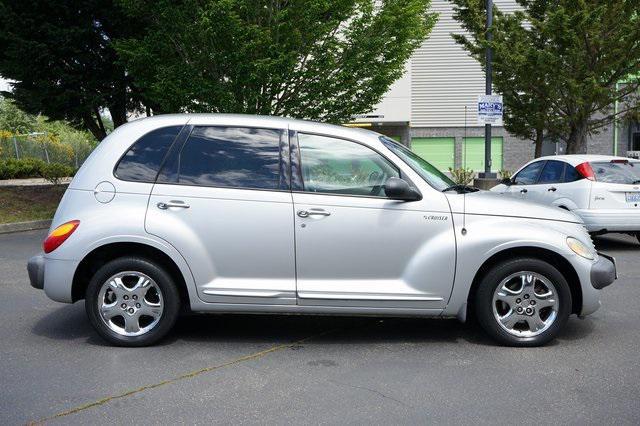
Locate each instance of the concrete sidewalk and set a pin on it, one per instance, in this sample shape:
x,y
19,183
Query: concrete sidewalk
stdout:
x,y
31,182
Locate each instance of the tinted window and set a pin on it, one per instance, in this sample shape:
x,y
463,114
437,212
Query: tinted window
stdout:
x,y
232,157
143,160
552,172
338,166
619,172
571,174
529,175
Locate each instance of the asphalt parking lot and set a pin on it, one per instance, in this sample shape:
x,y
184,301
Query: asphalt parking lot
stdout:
x,y
310,370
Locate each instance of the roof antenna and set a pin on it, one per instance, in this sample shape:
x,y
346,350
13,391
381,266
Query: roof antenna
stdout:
x,y
464,166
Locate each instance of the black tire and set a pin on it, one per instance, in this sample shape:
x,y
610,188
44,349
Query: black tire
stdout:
x,y
170,297
484,301
638,237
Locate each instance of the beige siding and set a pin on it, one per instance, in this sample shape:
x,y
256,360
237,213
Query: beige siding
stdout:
x,y
443,77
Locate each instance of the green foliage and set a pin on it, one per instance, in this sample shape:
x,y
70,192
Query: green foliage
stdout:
x,y
31,168
20,169
505,174
462,176
61,56
317,59
54,172
13,119
33,134
557,64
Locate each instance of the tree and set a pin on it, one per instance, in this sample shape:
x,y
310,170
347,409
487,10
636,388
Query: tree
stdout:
x,y
61,57
314,59
13,119
557,64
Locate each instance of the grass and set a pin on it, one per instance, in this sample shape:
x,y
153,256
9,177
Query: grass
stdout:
x,y
29,203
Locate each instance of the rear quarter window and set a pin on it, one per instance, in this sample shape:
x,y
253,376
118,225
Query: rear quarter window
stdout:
x,y
142,161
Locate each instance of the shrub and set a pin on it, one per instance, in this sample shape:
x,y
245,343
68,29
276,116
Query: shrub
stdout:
x,y
32,167
505,174
54,172
462,176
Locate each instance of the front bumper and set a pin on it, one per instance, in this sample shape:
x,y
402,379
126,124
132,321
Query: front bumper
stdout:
x,y
603,272
35,268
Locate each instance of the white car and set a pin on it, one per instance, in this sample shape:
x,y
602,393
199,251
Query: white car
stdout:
x,y
602,190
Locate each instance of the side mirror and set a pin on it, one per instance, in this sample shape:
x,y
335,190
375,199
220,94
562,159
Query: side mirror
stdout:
x,y
398,189
506,181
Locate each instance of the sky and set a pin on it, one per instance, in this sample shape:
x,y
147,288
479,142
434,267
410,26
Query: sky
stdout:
x,y
4,84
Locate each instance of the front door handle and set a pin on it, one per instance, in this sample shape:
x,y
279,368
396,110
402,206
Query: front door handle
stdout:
x,y
307,213
172,203
552,189
524,191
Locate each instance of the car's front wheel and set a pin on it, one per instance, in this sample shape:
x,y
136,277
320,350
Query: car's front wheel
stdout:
x,y
132,301
523,302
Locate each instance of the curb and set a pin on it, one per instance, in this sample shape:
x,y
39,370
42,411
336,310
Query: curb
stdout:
x,y
6,228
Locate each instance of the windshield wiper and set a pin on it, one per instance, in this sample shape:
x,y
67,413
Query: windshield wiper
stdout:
x,y
461,188
635,182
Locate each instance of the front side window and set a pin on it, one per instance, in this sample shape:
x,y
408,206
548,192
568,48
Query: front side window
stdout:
x,y
617,172
143,160
231,157
529,175
426,170
552,172
337,166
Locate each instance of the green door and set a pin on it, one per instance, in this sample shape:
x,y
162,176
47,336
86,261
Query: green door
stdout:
x,y
437,151
474,154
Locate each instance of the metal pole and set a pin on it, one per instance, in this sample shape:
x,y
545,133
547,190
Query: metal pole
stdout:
x,y
488,90
15,145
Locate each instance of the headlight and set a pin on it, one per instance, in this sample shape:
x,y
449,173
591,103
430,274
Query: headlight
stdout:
x,y
580,249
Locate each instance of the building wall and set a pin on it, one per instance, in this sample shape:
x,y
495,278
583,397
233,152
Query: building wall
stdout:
x,y
444,78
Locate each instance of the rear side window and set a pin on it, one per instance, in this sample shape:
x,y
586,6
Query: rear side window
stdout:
x,y
529,175
552,172
571,174
142,161
231,157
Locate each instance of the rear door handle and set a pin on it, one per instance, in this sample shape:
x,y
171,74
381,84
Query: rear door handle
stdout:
x,y
173,203
524,191
307,213
552,189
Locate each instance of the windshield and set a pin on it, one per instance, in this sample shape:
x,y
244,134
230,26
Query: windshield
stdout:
x,y
622,172
433,176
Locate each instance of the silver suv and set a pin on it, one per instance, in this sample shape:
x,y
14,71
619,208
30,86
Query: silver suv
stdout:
x,y
232,213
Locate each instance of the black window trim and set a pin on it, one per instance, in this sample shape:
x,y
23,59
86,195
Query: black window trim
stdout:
x,y
281,158
164,158
296,160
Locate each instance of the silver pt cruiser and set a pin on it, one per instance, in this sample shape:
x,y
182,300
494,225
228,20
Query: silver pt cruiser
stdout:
x,y
246,214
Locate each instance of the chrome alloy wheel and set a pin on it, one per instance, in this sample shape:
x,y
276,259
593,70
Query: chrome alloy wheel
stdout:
x,y
130,303
525,304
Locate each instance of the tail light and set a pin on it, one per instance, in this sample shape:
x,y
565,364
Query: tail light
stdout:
x,y
59,235
586,171
620,161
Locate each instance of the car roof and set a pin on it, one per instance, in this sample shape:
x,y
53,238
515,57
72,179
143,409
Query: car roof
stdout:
x,y
261,120
575,159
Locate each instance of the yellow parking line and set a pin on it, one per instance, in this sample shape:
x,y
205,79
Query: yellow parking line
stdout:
x,y
189,375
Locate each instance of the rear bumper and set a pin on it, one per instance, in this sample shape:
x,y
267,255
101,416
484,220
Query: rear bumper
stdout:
x,y
58,279
603,272
35,268
614,220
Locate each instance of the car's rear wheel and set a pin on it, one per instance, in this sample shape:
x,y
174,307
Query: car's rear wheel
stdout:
x,y
523,302
132,302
